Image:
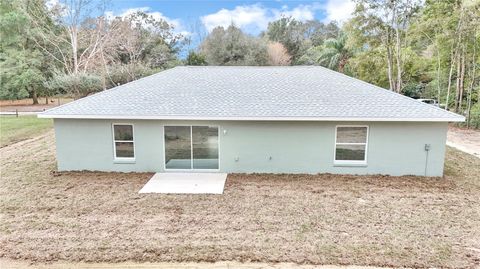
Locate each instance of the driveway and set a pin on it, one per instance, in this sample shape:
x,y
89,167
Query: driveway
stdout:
x,y
466,140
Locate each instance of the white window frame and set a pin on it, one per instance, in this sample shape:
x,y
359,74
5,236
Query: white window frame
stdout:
x,y
350,162
191,149
115,158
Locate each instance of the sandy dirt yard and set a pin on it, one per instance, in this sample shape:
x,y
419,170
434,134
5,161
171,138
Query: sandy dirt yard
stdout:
x,y
26,105
304,219
15,264
467,140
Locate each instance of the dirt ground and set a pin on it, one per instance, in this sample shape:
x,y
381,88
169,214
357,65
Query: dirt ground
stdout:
x,y
467,140
13,264
304,219
26,105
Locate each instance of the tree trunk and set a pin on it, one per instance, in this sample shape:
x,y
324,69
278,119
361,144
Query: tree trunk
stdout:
x,y
46,100
455,57
457,88
469,106
390,71
74,44
399,59
438,74
389,63
462,79
34,96
390,53
472,80
452,63
341,65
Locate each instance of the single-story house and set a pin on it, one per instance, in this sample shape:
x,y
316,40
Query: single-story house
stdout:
x,y
302,119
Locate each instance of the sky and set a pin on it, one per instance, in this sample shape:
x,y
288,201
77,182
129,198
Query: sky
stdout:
x,y
196,18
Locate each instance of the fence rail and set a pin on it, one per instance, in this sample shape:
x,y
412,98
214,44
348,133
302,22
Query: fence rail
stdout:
x,y
17,113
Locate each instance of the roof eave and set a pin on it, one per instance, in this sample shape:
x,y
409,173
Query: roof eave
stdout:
x,y
126,117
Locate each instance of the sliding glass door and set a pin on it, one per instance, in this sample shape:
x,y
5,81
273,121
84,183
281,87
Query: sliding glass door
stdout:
x,y
191,147
178,153
205,147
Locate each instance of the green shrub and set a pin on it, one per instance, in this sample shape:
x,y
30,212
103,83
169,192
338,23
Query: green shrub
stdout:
x,y
78,85
475,116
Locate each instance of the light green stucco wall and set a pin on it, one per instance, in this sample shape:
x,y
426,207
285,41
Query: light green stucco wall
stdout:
x,y
395,148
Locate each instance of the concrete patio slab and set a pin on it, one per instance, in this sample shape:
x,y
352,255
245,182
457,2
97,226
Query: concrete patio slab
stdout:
x,y
184,183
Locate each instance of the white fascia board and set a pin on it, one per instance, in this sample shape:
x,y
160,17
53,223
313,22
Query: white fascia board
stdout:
x,y
123,117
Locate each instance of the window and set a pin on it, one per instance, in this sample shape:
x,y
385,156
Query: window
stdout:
x,y
351,145
124,147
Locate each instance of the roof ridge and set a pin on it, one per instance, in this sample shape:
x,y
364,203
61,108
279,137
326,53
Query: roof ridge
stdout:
x,y
248,66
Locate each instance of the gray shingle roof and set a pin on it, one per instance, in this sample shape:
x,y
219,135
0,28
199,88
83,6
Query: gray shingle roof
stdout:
x,y
256,93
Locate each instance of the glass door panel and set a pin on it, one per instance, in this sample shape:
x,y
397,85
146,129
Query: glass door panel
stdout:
x,y
178,147
205,147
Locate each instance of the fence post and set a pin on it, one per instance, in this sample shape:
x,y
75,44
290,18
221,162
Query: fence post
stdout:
x,y
16,113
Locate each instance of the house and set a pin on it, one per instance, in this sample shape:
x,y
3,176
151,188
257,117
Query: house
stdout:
x,y
301,119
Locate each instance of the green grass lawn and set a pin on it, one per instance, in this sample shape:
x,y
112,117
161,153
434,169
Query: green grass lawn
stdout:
x,y
13,129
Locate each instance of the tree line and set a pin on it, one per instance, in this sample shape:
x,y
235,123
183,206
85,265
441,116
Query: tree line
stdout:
x,y
422,49
65,49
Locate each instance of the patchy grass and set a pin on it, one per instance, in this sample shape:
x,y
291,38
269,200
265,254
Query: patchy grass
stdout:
x,y
314,219
13,129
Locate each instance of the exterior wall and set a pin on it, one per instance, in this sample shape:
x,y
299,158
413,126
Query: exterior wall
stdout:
x,y
395,148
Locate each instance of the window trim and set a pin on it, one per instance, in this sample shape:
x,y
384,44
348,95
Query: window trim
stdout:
x,y
191,148
351,162
123,159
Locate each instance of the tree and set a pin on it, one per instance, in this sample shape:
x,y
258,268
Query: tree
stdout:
x,y
68,39
119,74
333,54
370,65
82,44
278,54
194,58
297,37
290,33
316,32
139,45
233,47
382,23
77,85
23,67
453,40
140,37
68,33
21,75
428,34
